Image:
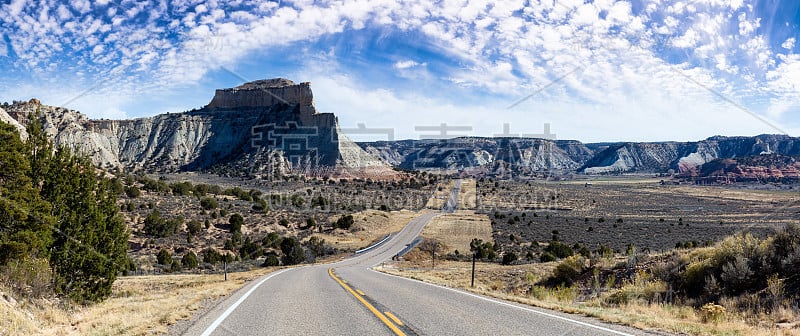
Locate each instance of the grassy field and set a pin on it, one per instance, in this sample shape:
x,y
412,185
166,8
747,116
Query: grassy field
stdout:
x,y
139,305
457,230
370,226
440,195
468,196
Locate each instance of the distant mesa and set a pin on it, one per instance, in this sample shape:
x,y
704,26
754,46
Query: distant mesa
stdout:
x,y
265,93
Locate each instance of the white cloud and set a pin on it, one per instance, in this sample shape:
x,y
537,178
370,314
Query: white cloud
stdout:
x,y
788,44
505,48
407,64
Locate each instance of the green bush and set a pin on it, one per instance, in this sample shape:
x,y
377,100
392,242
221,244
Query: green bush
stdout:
x,y
236,221
559,249
567,271
344,222
155,225
209,203
182,188
547,257
211,256
189,260
164,257
509,257
132,192
271,260
483,250
293,252
194,227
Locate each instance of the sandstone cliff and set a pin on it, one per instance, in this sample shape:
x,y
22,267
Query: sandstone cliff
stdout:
x,y
261,127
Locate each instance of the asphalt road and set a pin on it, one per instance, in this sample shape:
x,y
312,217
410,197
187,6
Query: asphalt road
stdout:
x,y
349,298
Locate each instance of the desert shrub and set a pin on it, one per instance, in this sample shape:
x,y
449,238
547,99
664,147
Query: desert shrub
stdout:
x,y
153,185
344,222
509,257
208,203
271,259
567,271
164,257
250,249
272,239
31,277
189,260
240,194
132,192
547,257
261,206
155,225
318,248
182,188
297,200
483,250
211,256
175,266
710,312
194,227
293,252
604,251
737,275
559,249
236,221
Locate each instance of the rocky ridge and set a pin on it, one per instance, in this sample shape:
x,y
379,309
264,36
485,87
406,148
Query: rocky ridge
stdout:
x,y
260,128
520,155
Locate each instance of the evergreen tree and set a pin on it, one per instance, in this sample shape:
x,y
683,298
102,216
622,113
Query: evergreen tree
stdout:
x,y
25,223
90,239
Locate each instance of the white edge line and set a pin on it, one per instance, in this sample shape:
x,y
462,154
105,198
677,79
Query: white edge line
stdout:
x,y
511,305
230,309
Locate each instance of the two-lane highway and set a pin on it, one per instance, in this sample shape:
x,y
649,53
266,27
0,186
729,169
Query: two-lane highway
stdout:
x,y
349,298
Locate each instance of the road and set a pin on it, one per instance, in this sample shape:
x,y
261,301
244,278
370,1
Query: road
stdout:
x,y
349,298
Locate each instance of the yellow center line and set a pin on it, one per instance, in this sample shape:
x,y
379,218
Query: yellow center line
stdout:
x,y
394,318
360,292
369,306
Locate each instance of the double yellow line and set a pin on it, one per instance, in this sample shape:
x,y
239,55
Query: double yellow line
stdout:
x,y
381,316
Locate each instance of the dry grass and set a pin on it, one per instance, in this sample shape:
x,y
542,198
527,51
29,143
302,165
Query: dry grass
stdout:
x,y
457,230
518,283
440,195
468,196
370,226
139,305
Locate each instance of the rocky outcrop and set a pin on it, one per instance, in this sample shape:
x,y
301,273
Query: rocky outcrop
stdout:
x,y
514,154
261,127
763,167
520,155
685,156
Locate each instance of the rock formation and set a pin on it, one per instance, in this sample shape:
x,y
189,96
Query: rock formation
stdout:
x,y
259,128
271,127
519,155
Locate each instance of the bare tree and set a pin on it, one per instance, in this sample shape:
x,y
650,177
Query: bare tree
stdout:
x,y
431,246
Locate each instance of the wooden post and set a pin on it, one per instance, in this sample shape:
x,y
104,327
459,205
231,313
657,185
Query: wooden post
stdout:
x,y
225,268
474,256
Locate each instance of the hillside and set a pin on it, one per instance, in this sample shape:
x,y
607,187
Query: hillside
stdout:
x,y
499,156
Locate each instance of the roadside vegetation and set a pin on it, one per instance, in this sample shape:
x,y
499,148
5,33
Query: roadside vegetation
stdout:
x,y
744,283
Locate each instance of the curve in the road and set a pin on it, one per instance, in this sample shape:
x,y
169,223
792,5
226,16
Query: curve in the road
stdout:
x,y
314,300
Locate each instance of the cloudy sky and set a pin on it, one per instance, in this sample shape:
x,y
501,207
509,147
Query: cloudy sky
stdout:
x,y
594,71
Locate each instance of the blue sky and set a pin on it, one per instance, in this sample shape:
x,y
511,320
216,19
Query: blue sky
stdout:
x,y
595,71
